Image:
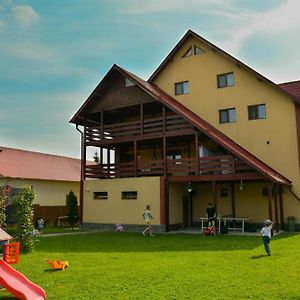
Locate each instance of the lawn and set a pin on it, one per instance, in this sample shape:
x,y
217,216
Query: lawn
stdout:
x,y
113,265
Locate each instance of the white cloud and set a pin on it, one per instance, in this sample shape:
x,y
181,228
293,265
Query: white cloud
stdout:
x,y
276,21
25,15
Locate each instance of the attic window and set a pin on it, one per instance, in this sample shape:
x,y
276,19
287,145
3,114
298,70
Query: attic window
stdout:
x,y
188,53
128,83
198,51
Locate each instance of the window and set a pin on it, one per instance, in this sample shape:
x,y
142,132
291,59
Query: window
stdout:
x,y
188,53
227,115
100,195
198,51
256,112
129,195
181,88
225,80
128,83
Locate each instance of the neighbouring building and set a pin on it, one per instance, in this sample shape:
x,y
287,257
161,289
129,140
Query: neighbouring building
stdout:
x,y
204,128
52,177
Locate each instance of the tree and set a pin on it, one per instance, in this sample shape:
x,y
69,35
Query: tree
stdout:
x,y
24,218
4,195
72,205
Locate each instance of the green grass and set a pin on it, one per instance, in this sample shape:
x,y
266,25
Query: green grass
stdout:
x,y
130,266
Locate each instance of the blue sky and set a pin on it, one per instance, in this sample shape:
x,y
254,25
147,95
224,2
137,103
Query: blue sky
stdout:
x,y
54,52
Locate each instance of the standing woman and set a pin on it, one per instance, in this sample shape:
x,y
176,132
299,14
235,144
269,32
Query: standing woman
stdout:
x,y
148,218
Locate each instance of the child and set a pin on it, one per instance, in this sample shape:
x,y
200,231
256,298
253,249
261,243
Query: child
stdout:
x,y
119,228
40,224
148,217
266,235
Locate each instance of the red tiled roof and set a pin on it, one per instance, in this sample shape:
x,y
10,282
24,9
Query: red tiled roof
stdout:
x,y
293,87
196,120
15,163
208,129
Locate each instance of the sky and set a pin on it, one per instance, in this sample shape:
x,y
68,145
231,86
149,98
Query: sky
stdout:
x,y
53,53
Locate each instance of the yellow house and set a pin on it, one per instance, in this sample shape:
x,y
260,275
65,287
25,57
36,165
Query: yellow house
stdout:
x,y
204,128
52,177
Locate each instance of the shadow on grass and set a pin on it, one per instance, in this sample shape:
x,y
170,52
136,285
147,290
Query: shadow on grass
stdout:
x,y
258,256
135,242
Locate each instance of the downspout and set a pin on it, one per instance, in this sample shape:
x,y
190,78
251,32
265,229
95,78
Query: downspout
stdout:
x,y
81,178
293,193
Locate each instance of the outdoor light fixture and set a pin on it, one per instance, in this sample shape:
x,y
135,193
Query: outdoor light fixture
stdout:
x,y
241,185
189,187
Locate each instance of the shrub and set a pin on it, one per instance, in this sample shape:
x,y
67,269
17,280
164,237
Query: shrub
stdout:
x,y
72,204
24,218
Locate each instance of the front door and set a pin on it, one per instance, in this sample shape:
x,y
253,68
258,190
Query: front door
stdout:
x,y
187,210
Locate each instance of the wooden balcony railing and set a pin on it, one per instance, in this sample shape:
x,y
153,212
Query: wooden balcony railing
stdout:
x,y
130,129
209,165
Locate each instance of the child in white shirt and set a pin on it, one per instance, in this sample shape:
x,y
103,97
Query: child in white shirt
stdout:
x,y
266,235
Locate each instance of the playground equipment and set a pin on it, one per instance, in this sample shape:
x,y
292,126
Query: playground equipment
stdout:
x,y
11,253
58,265
18,285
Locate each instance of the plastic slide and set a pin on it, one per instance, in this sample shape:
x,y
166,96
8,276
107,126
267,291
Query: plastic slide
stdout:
x,y
18,285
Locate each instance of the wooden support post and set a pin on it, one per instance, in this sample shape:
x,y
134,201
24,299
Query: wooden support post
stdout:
x,y
164,119
233,199
197,154
142,118
281,208
108,161
102,129
165,156
164,203
135,158
214,195
270,200
276,207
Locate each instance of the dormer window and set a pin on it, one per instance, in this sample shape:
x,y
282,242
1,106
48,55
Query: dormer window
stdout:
x,y
188,53
128,83
198,51
181,88
194,50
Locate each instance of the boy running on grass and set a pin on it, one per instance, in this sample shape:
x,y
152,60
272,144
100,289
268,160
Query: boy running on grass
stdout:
x,y
266,235
148,217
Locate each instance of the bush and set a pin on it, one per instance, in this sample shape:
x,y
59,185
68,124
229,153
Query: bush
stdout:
x,y
72,204
24,218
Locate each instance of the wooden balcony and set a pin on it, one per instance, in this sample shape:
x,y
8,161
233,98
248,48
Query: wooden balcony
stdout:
x,y
126,131
210,165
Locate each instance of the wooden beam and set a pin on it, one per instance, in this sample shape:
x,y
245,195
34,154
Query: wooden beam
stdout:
x,y
135,158
276,207
281,208
197,153
270,195
214,195
142,118
232,199
164,203
165,155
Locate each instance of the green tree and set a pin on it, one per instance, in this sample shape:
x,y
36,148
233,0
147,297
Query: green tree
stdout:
x,y
4,194
72,205
24,218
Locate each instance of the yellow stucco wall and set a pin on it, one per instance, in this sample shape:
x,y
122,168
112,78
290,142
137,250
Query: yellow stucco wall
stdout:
x,y
116,210
205,99
48,192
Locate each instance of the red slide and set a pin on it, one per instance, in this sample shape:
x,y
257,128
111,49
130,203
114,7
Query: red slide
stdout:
x,y
17,284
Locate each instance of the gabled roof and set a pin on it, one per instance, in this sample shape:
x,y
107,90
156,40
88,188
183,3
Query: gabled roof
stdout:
x,y
15,163
199,123
293,87
191,33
